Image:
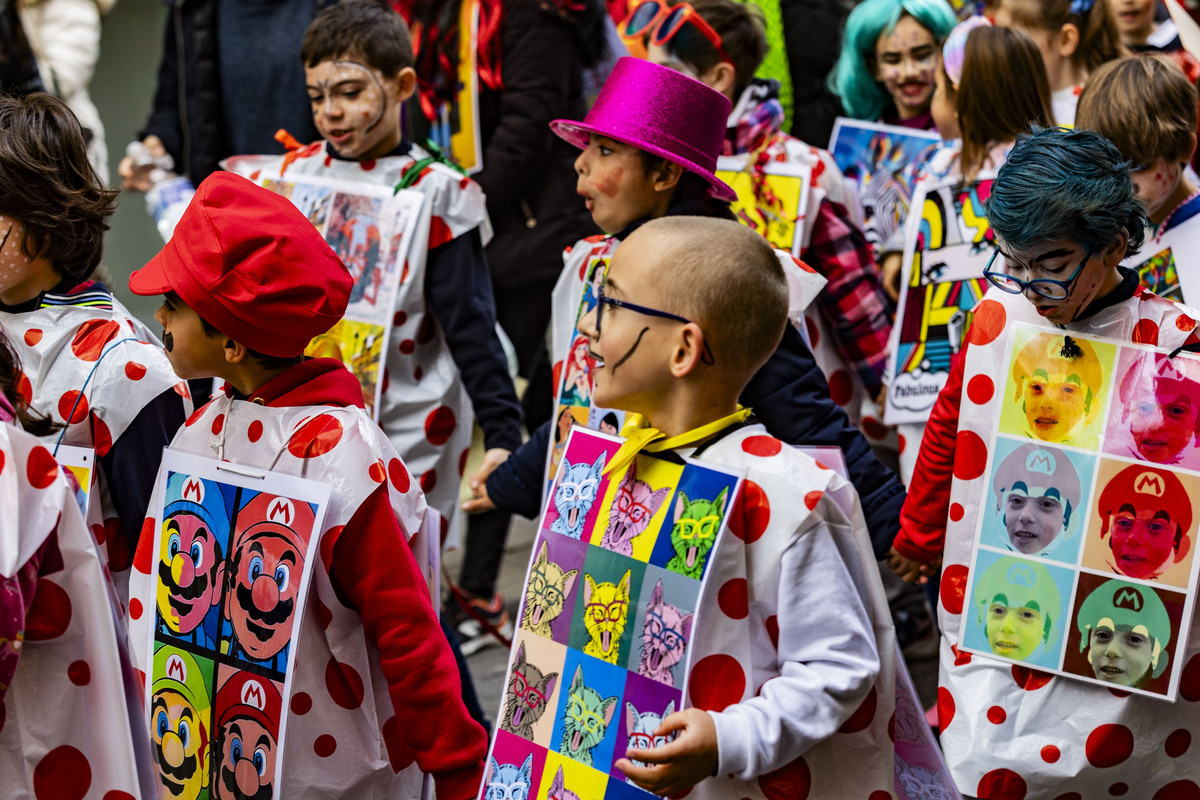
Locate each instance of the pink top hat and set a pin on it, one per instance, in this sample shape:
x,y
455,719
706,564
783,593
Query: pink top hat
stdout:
x,y
661,111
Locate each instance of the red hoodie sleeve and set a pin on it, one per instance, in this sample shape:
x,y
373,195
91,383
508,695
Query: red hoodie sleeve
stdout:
x,y
922,535
377,572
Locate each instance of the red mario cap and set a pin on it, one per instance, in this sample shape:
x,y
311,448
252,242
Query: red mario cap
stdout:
x,y
252,266
247,695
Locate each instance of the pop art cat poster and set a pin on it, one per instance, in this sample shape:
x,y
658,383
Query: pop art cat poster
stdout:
x,y
605,621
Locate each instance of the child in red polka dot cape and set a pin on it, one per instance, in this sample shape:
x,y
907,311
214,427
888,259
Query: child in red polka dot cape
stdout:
x,y
86,363
59,655
372,665
444,367
1065,216
782,702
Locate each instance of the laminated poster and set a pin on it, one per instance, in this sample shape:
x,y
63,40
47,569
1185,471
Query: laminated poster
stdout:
x,y
233,555
946,247
1160,260
772,198
602,650
79,462
877,161
1084,560
371,229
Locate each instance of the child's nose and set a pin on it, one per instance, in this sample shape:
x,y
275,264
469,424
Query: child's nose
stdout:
x,y
587,325
581,163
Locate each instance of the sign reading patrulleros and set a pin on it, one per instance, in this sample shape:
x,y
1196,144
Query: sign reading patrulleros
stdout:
x,y
1084,557
947,244
371,229
603,648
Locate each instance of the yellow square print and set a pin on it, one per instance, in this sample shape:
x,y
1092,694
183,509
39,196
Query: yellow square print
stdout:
x,y
1056,386
777,220
564,779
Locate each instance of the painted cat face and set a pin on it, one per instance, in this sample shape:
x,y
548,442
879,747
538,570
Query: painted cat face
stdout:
x,y
665,634
641,728
547,592
559,790
694,532
605,613
632,510
508,781
526,696
587,719
575,494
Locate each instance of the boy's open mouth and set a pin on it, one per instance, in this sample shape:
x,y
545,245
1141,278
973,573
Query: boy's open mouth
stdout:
x,y
1005,647
1112,671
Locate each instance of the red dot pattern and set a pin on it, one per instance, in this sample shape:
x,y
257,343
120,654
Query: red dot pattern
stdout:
x,y
772,624
1119,788
863,715
1030,679
377,472
751,513
792,781
301,703
1178,790
92,336
399,476
399,756
717,682
50,614
255,431
429,480
325,745
1145,332
970,456
135,371
953,588
841,388
33,336
316,437
956,512
1189,681
996,715
945,708
988,321
63,774
218,424
762,446
811,499
1178,743
1108,745
1001,784
135,608
79,673
733,598
439,425
980,389
73,407
344,684
1050,754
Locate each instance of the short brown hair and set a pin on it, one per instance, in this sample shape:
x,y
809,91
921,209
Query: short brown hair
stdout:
x,y
1003,91
743,35
728,279
1144,105
1099,41
48,185
365,29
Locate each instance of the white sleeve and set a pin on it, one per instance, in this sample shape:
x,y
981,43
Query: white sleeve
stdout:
x,y
66,39
828,660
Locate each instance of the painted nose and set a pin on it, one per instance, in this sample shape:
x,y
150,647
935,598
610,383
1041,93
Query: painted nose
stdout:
x,y
247,777
183,571
1008,624
172,748
265,593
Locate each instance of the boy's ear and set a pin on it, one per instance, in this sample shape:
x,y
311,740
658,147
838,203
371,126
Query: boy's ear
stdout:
x,y
666,176
721,77
1192,151
689,351
235,352
407,83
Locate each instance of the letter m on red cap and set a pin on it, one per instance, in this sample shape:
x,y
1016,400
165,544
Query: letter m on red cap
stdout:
x,y
1149,483
252,695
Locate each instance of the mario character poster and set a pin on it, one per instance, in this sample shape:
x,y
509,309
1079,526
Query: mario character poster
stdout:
x,y
1084,562
371,228
232,558
603,646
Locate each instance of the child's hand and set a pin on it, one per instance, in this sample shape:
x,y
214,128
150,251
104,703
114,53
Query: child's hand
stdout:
x,y
135,178
478,482
910,571
679,765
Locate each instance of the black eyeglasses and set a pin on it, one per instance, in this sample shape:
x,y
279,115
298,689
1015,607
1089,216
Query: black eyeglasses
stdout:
x,y
603,300
1043,287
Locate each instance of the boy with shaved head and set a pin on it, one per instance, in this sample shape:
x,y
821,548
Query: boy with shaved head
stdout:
x,y
691,308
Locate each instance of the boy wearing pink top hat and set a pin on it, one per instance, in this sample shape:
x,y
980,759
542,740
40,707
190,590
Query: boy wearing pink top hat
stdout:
x,y
233,309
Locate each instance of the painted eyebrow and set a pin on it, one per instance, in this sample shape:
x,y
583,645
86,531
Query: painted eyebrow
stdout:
x,y
288,556
264,739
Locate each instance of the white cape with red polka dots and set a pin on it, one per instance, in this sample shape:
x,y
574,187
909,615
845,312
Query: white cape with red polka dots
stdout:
x,y
122,363
341,729
786,496
65,727
1010,732
424,408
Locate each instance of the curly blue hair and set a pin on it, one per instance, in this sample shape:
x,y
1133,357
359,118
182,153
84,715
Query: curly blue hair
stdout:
x,y
1065,185
853,78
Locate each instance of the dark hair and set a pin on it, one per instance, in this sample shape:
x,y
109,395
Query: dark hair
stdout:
x,y
264,361
48,185
1003,90
1117,101
743,35
363,28
692,193
10,380
1065,185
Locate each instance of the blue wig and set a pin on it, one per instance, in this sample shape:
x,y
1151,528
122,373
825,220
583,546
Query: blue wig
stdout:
x,y
1061,185
853,78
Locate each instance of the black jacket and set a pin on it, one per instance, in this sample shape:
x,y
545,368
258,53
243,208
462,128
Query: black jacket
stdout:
x,y
187,108
812,31
18,68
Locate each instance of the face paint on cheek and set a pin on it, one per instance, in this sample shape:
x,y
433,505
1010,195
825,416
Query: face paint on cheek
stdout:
x,y
629,353
380,101
608,185
168,342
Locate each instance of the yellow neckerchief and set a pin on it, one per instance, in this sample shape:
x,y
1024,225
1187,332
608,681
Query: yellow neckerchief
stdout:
x,y
640,436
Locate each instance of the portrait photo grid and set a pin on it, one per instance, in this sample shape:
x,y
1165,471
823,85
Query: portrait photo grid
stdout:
x,y
601,651
1084,559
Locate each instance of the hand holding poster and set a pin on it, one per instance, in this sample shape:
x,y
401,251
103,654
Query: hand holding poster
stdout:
x,y
1083,564
946,247
610,602
234,556
371,229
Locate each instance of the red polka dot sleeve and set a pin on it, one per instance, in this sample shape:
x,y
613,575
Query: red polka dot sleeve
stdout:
x,y
923,517
375,569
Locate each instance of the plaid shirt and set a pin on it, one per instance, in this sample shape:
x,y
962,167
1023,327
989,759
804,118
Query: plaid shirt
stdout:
x,y
853,302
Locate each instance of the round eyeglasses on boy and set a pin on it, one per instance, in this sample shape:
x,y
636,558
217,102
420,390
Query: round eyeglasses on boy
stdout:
x,y
1042,287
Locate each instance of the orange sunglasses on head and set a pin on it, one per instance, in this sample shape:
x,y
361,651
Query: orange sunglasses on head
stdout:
x,y
661,23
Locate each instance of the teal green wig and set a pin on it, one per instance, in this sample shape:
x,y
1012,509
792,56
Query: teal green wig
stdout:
x,y
853,78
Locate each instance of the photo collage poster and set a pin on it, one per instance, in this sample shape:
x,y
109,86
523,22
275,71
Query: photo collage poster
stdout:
x,y
574,406
777,209
371,229
1161,257
1084,559
946,247
234,556
877,161
602,648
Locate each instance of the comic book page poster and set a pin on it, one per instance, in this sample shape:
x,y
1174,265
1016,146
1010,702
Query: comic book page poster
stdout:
x,y
878,162
79,463
371,230
946,247
455,126
1164,263
234,554
601,653
1084,558
772,197
574,380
